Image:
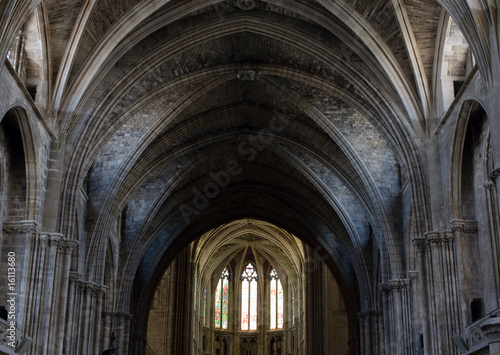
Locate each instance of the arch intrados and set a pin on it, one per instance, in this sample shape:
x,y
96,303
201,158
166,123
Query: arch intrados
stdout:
x,y
21,118
470,108
348,287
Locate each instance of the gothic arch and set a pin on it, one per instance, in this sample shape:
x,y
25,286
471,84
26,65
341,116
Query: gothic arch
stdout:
x,y
471,109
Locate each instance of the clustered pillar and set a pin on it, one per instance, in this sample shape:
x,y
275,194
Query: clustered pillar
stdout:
x,y
84,317
399,318
42,266
439,281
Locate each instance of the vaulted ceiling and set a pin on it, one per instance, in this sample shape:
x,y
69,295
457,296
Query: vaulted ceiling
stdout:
x,y
178,116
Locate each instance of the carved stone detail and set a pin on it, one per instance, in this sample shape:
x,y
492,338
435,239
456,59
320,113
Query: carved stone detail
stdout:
x,y
464,226
399,284
413,276
248,338
420,243
494,174
491,329
68,245
246,75
489,185
438,238
15,228
245,4
476,336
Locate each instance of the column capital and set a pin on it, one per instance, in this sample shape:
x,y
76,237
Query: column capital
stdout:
x,y
68,245
20,227
438,238
420,243
74,277
87,286
464,226
489,185
101,290
399,284
55,239
494,174
413,275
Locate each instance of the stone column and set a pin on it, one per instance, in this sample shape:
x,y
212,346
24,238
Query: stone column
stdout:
x,y
18,239
423,290
106,329
70,321
42,286
87,288
387,323
61,296
99,295
369,330
402,315
314,325
438,269
494,224
47,285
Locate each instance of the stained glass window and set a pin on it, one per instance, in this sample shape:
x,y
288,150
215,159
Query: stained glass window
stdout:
x,y
205,294
276,299
249,279
293,307
222,301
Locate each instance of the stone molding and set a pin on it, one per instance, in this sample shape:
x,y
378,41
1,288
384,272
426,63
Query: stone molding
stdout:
x,y
276,336
244,4
399,284
420,243
248,338
222,336
438,238
246,75
491,329
22,227
464,226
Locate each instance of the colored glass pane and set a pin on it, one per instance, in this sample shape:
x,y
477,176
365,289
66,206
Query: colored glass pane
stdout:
x,y
218,305
273,303
293,306
280,305
249,298
225,300
222,301
244,304
253,305
276,301
205,306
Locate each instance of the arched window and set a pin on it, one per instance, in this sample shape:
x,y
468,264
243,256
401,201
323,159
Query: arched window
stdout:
x,y
249,279
276,300
222,300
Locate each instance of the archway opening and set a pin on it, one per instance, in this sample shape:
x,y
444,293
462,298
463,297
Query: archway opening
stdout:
x,y
251,290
